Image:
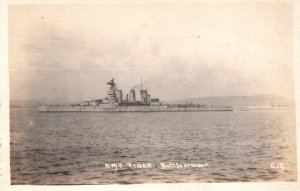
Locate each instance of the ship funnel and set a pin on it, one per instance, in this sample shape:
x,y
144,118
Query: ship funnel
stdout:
x,y
119,96
144,96
132,96
149,99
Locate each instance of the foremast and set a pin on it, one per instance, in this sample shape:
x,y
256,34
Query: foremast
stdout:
x,y
111,93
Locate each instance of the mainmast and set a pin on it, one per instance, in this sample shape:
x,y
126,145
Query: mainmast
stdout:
x,y
141,82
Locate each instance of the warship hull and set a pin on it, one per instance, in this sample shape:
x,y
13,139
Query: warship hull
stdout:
x,y
116,108
114,102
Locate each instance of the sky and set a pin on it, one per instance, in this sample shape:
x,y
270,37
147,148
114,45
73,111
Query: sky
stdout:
x,y
66,53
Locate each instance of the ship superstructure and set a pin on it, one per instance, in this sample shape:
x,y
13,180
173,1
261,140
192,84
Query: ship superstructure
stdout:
x,y
115,96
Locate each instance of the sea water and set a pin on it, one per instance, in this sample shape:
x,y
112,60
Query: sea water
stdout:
x,y
159,147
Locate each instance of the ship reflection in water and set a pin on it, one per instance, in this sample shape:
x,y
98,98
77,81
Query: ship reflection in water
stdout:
x,y
114,102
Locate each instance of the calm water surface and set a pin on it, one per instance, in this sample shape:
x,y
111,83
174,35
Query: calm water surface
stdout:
x,y
72,148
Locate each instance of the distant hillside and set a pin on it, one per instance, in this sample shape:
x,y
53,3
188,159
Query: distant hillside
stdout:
x,y
237,101
32,103
255,100
24,103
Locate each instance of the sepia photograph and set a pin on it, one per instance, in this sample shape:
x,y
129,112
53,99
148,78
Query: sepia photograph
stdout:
x,y
151,93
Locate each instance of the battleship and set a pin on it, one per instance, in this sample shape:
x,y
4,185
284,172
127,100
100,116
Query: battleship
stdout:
x,y
114,102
